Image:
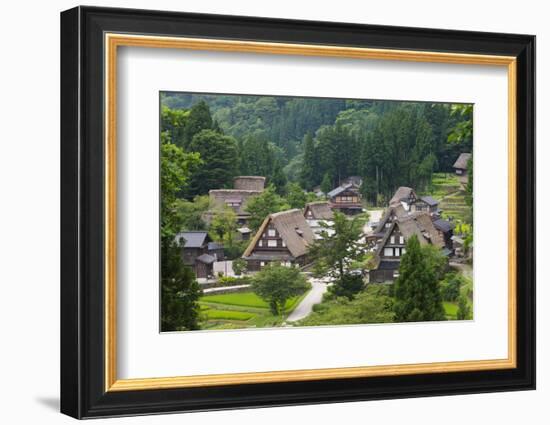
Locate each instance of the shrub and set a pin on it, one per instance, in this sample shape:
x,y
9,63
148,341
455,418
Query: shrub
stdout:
x,y
450,287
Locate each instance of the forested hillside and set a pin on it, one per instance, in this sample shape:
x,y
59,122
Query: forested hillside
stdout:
x,y
314,141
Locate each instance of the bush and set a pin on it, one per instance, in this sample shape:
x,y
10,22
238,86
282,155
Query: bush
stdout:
x,y
450,287
239,266
233,281
347,286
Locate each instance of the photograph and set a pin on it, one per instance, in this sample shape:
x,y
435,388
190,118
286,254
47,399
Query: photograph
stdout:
x,y
287,211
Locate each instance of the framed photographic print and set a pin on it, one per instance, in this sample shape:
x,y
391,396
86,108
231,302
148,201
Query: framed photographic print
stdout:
x,y
261,212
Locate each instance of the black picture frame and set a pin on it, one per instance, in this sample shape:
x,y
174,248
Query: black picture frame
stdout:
x,y
82,212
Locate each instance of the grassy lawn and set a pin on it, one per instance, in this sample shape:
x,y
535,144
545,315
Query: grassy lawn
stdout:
x,y
450,310
241,310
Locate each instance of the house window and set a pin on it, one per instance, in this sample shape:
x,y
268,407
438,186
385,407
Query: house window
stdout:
x,y
388,224
396,273
284,243
262,263
397,252
403,250
272,243
261,243
388,252
271,232
401,240
392,240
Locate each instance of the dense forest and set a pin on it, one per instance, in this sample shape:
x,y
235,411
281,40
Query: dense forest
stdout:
x,y
315,141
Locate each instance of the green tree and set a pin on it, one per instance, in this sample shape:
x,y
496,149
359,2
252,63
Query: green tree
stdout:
x,y
417,294
199,119
179,289
278,179
276,284
337,249
326,184
308,173
219,156
190,213
239,266
224,225
259,207
295,196
464,312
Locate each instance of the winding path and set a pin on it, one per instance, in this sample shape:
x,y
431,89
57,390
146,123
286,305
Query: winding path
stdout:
x,y
315,296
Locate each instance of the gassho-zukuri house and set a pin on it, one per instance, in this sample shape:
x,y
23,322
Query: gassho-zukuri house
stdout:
x,y
392,246
283,238
244,188
407,198
319,216
461,166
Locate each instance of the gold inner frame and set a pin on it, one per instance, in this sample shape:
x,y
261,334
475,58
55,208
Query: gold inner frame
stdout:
x,y
113,41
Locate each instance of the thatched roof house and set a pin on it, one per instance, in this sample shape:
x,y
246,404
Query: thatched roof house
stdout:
x,y
462,162
245,188
319,210
283,237
393,245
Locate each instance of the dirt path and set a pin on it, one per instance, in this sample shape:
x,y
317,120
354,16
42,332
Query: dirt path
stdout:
x,y
315,296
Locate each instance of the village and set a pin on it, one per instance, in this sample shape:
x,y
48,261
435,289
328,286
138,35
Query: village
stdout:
x,y
293,237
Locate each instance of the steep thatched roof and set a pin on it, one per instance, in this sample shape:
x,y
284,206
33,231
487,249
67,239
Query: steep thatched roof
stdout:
x,y
462,161
219,198
394,210
320,210
402,193
249,183
419,224
293,229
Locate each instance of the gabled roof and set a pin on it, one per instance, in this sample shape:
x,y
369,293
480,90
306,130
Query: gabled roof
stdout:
x,y
443,225
192,239
419,224
397,210
293,229
340,189
212,246
462,161
430,201
219,198
320,210
402,193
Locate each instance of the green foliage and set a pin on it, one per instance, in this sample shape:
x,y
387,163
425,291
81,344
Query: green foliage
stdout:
x,y
261,206
347,285
239,266
180,291
469,198
278,179
308,173
233,281
450,287
227,315
219,156
224,225
175,169
416,289
339,247
189,213
373,305
295,196
464,311
326,184
235,250
276,284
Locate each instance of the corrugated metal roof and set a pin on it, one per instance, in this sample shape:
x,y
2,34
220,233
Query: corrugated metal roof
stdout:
x,y
194,239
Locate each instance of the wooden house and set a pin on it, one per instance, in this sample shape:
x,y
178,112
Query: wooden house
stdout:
x,y
245,188
319,215
461,167
283,238
445,229
318,211
392,246
199,252
411,202
346,199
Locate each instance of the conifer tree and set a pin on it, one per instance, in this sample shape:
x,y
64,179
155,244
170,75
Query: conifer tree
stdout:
x,y
417,295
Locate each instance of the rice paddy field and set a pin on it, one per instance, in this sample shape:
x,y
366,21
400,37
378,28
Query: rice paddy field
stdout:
x,y
241,310
447,189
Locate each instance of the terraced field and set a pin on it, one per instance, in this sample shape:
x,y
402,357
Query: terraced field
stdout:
x,y
240,310
448,191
